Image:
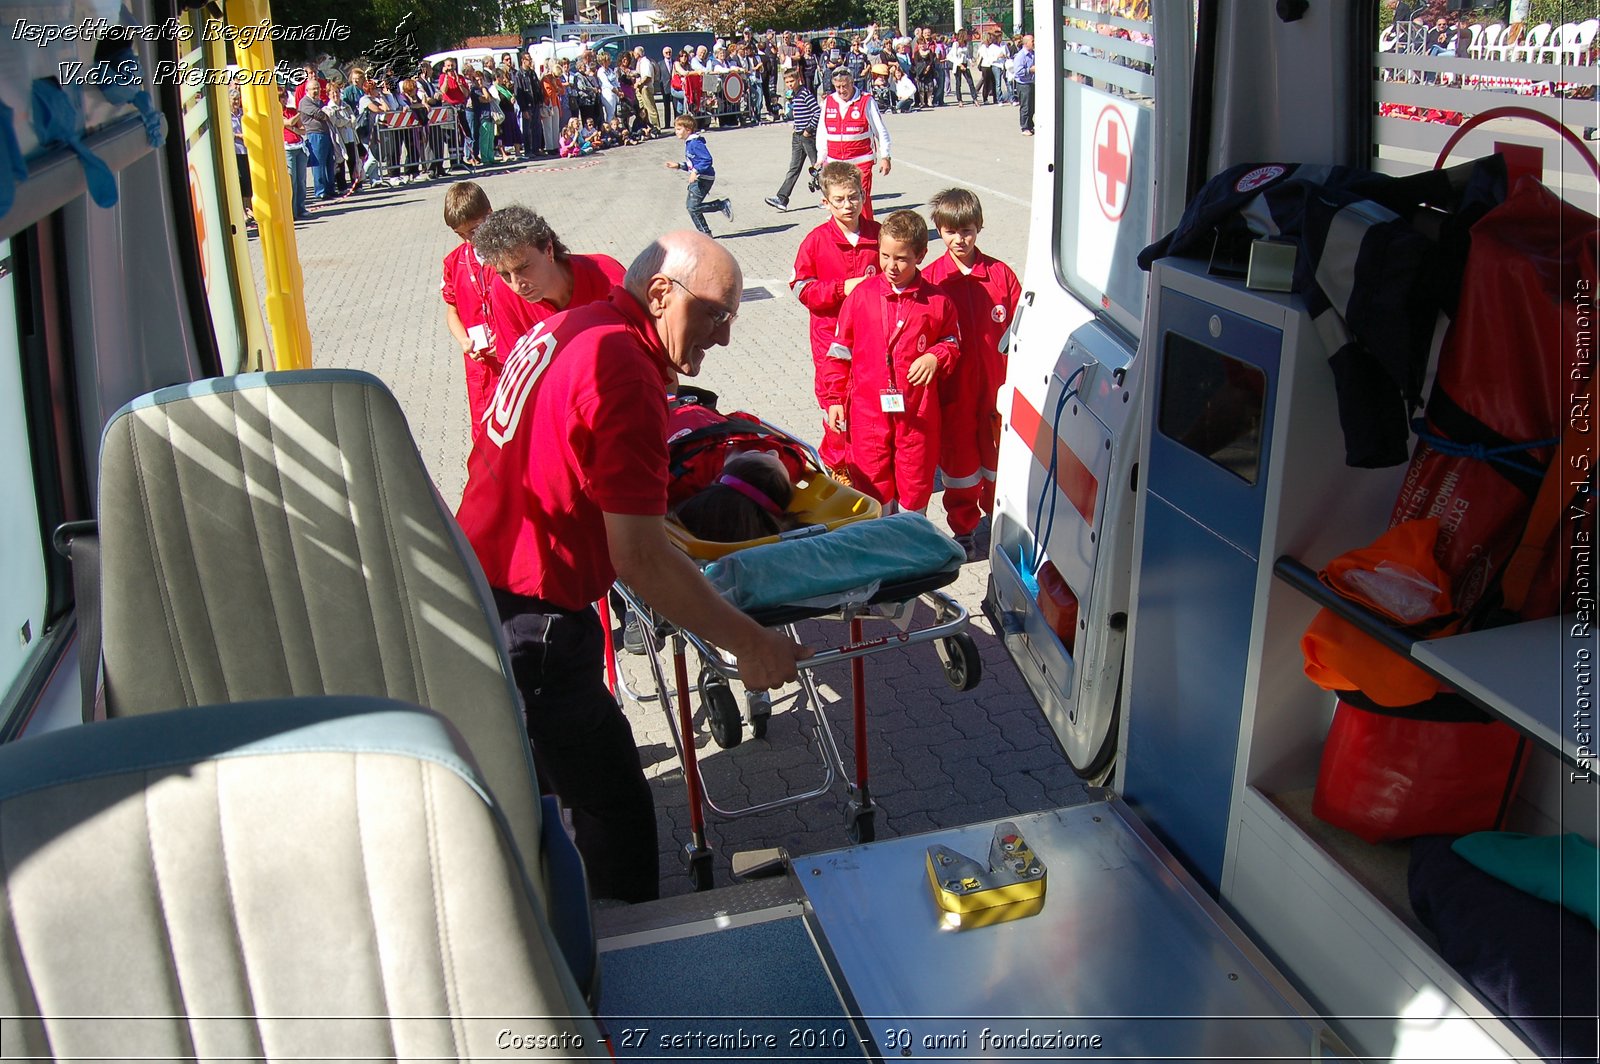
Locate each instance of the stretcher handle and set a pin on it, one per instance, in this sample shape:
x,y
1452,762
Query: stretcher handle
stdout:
x,y
943,630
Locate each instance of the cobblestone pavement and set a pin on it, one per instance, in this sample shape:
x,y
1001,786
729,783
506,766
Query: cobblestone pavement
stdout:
x,y
938,758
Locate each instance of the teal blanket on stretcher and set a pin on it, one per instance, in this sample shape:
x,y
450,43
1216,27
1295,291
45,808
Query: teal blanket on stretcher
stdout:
x,y
862,555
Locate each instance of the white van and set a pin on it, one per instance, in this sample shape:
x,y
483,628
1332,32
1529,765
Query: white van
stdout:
x,y
476,56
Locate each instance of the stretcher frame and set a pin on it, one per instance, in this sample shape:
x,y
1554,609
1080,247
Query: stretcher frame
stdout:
x,y
957,652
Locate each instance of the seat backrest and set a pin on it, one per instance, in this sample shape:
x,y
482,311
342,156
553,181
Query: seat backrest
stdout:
x,y
1582,40
1565,41
1535,40
317,878
276,535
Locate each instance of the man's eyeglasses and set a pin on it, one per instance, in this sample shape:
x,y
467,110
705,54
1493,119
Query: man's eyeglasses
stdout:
x,y
719,316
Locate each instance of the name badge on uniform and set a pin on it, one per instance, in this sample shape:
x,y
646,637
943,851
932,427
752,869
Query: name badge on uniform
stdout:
x,y
893,401
479,335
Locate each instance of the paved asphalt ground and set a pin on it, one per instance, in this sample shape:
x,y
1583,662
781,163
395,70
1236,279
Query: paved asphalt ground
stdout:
x,y
938,758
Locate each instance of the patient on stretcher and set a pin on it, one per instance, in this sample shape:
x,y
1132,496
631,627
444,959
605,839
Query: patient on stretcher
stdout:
x,y
737,482
749,500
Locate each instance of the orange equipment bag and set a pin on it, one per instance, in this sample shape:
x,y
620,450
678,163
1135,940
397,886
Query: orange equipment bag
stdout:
x,y
1397,578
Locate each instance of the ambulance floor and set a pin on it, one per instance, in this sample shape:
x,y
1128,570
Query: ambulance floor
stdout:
x,y
754,990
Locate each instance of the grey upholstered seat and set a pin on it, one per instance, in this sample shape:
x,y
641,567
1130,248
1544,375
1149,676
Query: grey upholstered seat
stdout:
x,y
311,879
277,535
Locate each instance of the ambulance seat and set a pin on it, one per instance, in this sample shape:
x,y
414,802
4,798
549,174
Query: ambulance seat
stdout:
x,y
276,535
320,878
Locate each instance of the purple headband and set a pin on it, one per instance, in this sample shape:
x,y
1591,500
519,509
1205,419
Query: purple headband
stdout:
x,y
751,492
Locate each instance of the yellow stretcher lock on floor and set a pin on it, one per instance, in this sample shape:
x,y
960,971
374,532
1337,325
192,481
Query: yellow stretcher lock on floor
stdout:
x,y
1014,875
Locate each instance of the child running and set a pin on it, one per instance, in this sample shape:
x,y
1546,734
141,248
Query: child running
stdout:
x,y
833,258
702,174
897,333
985,293
468,291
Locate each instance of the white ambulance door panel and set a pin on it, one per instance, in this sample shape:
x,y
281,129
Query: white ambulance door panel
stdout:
x,y
1107,181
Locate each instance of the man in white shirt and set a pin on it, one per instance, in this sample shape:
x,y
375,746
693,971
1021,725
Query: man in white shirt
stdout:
x,y
990,58
959,56
852,131
644,86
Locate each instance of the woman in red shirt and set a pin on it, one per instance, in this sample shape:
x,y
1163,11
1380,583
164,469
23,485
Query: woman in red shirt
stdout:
x,y
453,93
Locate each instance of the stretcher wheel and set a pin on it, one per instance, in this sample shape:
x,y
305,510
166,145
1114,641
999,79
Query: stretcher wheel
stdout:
x,y
963,668
759,705
722,710
861,824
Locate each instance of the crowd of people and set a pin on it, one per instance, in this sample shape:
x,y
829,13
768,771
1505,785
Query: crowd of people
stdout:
x,y
512,108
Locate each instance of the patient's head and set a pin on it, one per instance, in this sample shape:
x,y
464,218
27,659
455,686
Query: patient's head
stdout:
x,y
749,500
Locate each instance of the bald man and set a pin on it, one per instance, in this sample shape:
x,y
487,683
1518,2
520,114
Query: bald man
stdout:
x,y
567,492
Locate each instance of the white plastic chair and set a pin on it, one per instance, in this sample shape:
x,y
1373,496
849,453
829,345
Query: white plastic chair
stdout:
x,y
1489,43
1532,44
1575,48
1556,43
1477,35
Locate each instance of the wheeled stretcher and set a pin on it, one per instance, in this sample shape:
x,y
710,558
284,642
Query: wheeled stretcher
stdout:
x,y
830,507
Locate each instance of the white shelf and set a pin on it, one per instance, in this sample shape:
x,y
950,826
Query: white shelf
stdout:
x,y
1518,672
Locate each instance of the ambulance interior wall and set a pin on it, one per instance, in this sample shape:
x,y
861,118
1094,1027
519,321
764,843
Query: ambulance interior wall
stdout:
x,y
1322,508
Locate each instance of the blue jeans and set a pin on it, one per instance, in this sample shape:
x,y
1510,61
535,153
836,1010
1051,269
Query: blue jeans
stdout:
x,y
699,189
320,145
297,178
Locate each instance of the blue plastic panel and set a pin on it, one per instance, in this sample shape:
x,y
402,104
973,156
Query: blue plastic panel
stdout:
x,y
1219,499
1196,595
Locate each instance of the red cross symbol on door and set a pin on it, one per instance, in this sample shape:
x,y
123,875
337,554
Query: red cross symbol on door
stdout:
x,y
1111,158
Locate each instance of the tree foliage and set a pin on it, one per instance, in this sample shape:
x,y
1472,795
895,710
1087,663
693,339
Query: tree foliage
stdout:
x,y
435,27
731,16
722,17
935,14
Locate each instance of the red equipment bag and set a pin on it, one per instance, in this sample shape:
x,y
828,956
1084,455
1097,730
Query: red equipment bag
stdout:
x,y
1386,777
1493,421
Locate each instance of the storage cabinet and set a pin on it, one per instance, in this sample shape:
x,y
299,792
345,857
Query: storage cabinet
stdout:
x,y
1223,733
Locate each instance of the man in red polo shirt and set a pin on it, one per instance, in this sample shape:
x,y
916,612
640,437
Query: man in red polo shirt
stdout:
x,y
541,276
567,492
852,131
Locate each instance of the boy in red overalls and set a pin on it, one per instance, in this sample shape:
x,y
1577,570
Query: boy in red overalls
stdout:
x,y
896,334
834,258
985,293
468,291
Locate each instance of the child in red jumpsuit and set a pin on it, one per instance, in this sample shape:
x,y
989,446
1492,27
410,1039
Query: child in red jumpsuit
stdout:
x,y
896,334
834,258
468,290
985,293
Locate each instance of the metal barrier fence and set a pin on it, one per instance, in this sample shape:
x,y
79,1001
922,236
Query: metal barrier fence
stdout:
x,y
402,144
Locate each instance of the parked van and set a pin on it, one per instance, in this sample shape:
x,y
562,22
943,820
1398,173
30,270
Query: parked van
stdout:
x,y
463,56
567,33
